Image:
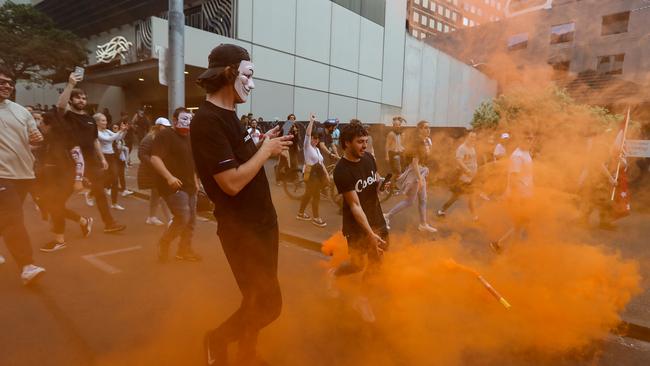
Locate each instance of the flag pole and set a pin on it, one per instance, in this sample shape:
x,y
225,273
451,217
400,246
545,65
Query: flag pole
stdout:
x,y
618,165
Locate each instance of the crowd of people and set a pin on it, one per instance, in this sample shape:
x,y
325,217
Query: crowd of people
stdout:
x,y
53,153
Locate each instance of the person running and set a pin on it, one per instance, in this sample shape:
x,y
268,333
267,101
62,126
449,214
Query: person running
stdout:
x,y
519,192
468,166
19,131
85,132
106,138
171,157
394,148
315,176
147,175
61,172
413,182
364,227
231,169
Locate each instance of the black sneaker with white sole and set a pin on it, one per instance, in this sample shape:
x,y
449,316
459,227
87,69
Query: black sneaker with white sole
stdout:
x,y
216,352
52,246
114,227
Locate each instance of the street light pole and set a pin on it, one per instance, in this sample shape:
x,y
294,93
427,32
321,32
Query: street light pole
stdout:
x,y
176,76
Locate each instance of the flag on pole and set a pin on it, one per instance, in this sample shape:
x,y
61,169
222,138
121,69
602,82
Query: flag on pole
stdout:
x,y
620,193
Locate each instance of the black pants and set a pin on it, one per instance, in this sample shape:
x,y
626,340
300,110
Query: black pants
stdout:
x,y
55,191
111,176
312,193
12,223
121,173
97,175
253,257
360,247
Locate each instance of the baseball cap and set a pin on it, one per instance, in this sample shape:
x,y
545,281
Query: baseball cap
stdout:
x,y
224,55
331,121
505,135
163,122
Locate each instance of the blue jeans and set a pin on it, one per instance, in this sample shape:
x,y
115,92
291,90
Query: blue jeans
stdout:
x,y
183,208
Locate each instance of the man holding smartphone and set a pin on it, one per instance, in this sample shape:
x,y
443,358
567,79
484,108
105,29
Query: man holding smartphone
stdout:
x,y
16,174
72,102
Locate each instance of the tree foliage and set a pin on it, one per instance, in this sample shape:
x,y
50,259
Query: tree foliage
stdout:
x,y
34,48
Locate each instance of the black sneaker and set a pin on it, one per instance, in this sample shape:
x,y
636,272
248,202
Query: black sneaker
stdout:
x,y
216,352
188,256
114,227
88,227
52,246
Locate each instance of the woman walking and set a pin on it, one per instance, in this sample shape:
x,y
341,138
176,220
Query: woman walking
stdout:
x,y
106,138
413,182
315,175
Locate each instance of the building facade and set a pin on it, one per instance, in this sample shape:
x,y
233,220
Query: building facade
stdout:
x,y
343,59
428,18
570,37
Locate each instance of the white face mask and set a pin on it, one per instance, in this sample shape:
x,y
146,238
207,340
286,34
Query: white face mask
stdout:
x,y
244,82
183,123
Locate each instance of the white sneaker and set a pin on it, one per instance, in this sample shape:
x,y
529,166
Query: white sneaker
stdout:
x,y
2,260
441,213
30,273
362,306
427,228
387,219
153,220
90,201
330,279
126,192
107,191
118,207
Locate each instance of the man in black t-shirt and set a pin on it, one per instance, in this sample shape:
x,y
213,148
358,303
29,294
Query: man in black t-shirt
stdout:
x,y
364,227
231,168
171,157
85,133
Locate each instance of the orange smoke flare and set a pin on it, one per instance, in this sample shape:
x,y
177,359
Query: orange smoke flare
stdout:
x,y
452,264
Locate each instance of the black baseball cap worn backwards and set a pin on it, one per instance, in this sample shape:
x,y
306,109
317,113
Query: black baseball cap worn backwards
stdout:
x,y
222,56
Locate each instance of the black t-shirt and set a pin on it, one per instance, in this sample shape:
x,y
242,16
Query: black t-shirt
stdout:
x,y
85,133
420,149
359,176
54,153
220,143
175,151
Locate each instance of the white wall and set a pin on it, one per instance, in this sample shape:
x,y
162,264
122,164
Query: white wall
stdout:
x,y
440,89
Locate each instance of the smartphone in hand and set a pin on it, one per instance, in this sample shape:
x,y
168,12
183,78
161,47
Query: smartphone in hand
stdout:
x,y
386,180
79,71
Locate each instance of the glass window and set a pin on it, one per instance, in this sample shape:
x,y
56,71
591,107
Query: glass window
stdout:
x,y
414,32
441,9
447,13
472,9
373,10
423,20
425,3
433,7
611,64
432,23
560,69
454,16
439,27
615,23
446,28
518,41
471,23
479,11
423,35
465,22
562,33
417,1
416,17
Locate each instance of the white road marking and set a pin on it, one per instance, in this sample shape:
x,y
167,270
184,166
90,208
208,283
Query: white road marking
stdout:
x,y
95,261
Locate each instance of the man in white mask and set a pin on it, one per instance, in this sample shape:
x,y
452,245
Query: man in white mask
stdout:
x,y
171,157
231,168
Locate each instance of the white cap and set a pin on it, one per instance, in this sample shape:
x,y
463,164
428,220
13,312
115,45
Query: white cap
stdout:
x,y
505,135
163,122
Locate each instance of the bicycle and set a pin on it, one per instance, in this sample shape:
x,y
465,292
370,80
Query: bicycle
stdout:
x,y
295,188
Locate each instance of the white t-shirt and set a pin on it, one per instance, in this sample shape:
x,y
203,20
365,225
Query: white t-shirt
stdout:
x,y
16,159
255,134
499,151
312,154
106,138
468,156
522,163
